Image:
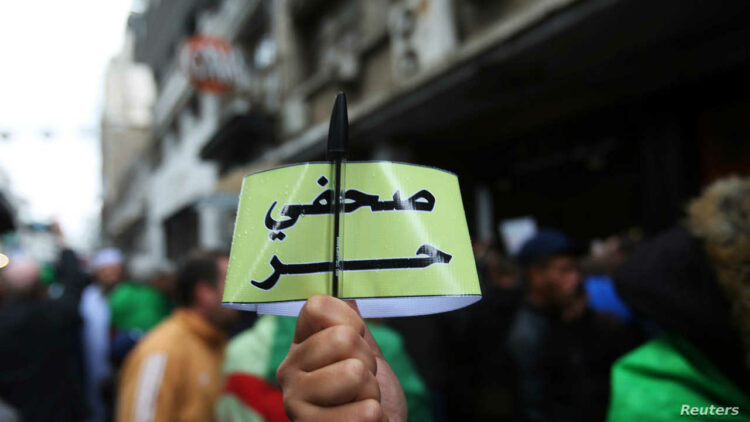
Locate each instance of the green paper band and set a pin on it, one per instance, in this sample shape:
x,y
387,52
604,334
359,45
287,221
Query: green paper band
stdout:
x,y
403,235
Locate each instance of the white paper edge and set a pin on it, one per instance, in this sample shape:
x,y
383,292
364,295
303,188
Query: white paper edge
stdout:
x,y
377,307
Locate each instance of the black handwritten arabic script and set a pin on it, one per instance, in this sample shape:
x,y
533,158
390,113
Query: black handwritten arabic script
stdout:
x,y
426,255
353,200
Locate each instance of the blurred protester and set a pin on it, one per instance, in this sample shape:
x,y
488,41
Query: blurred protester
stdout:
x,y
137,306
174,373
335,371
425,341
481,386
693,281
40,367
107,268
604,258
562,351
251,392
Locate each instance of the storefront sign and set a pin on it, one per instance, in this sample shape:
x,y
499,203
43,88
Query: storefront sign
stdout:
x,y
212,64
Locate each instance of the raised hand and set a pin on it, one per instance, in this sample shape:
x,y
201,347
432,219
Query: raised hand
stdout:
x,y
334,370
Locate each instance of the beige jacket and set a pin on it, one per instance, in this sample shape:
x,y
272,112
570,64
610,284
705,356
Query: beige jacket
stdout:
x,y
173,374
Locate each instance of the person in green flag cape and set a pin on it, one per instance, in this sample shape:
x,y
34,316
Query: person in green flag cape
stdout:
x,y
141,303
251,392
693,281
138,305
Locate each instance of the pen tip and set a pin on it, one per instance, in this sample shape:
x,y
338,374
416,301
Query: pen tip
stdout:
x,y
338,130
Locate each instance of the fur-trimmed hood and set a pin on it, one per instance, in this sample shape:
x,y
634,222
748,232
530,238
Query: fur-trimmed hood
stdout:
x,y
694,279
721,218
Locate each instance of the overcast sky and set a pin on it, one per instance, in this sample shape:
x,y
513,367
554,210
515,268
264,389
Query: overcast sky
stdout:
x,y
54,55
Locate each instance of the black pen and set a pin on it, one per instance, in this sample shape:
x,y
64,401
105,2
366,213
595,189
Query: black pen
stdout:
x,y
338,138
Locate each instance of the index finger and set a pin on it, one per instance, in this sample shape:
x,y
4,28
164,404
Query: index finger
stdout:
x,y
321,312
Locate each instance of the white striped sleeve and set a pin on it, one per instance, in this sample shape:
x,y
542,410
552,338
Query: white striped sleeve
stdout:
x,y
147,387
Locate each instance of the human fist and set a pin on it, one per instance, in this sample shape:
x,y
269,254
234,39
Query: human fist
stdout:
x,y
334,370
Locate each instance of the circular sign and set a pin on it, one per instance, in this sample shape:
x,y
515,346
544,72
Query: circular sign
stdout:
x,y
212,64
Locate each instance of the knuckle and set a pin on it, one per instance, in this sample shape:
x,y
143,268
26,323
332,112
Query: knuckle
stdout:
x,y
356,371
316,305
344,338
290,381
371,411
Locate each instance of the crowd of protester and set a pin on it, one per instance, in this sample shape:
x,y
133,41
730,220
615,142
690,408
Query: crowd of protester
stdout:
x,y
629,329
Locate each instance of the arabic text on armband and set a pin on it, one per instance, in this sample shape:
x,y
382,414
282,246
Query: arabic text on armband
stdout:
x,y
426,255
422,200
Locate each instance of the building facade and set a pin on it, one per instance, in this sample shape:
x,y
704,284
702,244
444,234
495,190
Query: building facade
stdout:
x,y
593,116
